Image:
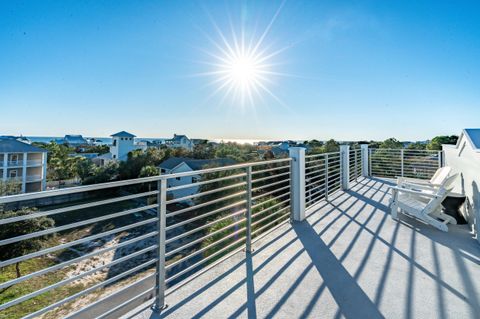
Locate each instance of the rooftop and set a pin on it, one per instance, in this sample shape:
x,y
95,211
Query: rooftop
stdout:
x,y
122,134
195,164
347,259
14,146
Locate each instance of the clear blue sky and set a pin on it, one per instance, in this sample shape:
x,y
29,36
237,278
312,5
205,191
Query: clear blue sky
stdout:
x,y
356,70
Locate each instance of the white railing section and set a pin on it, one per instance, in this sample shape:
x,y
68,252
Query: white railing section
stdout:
x,y
150,231
323,176
404,162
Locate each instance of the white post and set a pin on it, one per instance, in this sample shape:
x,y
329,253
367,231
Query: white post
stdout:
x,y
44,171
297,184
5,166
364,148
345,166
402,161
24,173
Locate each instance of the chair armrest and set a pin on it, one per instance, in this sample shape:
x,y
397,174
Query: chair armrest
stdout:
x,y
413,180
429,187
412,192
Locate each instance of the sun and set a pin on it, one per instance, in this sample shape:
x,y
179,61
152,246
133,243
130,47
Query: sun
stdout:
x,y
242,66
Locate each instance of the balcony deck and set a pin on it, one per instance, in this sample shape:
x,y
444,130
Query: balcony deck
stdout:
x,y
348,259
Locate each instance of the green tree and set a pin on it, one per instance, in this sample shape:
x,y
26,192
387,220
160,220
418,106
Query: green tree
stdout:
x,y
9,187
60,164
148,170
22,228
436,143
416,146
391,143
331,146
106,173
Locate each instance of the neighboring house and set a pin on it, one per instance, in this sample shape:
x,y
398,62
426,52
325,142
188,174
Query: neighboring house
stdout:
x,y
184,164
180,141
23,163
464,158
122,144
73,140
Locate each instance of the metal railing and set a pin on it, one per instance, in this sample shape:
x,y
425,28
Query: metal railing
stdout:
x,y
33,178
323,176
34,162
101,241
355,164
404,162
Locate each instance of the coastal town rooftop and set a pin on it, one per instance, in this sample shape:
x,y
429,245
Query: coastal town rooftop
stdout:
x,y
304,236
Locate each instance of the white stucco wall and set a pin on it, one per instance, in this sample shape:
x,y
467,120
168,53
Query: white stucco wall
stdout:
x,y
463,159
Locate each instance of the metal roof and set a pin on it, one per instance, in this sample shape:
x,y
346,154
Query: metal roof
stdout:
x,y
14,146
123,134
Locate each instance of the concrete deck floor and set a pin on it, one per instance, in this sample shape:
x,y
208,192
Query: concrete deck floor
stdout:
x,y
349,259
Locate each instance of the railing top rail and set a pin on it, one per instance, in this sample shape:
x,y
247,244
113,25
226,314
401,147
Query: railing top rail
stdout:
x,y
405,150
87,188
323,154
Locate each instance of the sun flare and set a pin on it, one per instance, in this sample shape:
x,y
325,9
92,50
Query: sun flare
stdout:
x,y
242,65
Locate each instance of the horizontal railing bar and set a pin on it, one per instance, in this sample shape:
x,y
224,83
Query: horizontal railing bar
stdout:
x,y
226,168
270,185
216,200
73,278
268,216
77,189
270,192
180,273
103,299
269,224
94,287
73,225
201,250
270,177
258,237
323,154
216,211
213,191
123,304
270,169
224,178
75,242
270,208
269,200
74,207
74,260
198,240
314,166
184,234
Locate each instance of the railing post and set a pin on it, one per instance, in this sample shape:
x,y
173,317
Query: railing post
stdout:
x,y
440,159
297,183
355,163
345,166
365,160
402,153
248,247
162,220
326,177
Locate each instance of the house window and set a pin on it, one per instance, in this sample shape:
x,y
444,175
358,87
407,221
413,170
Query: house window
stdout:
x,y
194,179
13,173
178,178
114,156
114,143
14,157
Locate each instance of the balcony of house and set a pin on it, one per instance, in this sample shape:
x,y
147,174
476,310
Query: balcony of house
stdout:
x,y
305,236
34,159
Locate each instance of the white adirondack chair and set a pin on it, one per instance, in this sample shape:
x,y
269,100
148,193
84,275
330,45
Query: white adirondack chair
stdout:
x,y
437,180
423,205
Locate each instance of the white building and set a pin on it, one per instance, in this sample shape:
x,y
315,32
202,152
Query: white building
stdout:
x,y
122,144
180,141
464,158
23,163
184,164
